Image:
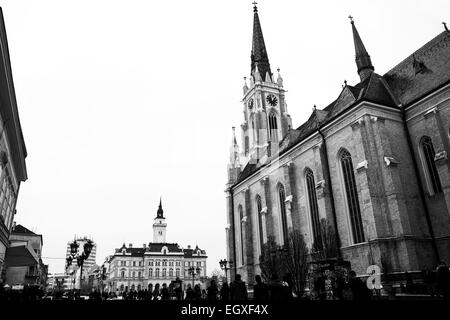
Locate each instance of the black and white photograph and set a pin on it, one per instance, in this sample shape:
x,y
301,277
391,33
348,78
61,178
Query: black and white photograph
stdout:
x,y
221,158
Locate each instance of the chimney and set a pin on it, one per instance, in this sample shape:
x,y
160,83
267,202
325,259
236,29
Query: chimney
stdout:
x,y
130,245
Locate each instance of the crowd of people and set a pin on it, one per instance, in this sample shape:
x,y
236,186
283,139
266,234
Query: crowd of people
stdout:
x,y
323,287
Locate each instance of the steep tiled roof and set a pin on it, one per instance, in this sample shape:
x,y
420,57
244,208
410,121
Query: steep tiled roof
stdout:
x,y
373,89
189,253
21,229
423,71
157,248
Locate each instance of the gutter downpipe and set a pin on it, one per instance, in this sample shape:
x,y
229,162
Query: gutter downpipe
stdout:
x,y
421,187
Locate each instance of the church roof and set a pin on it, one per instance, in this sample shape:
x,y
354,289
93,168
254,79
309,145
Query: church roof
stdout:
x,y
373,89
423,71
20,229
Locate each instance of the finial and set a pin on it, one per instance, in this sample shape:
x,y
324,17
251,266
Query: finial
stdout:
x,y
255,8
278,69
445,25
345,82
351,19
234,128
314,108
245,78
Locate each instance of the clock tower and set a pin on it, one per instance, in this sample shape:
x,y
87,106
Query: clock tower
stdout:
x,y
159,226
266,120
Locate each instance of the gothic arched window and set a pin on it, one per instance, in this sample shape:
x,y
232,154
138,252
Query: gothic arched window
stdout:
x,y
431,171
241,219
260,223
284,225
313,207
170,272
177,272
352,197
122,274
164,272
273,126
157,272
150,273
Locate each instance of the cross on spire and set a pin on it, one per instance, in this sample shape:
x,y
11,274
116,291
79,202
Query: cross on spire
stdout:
x,y
351,18
255,8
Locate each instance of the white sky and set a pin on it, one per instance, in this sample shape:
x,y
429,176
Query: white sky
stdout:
x,y
123,101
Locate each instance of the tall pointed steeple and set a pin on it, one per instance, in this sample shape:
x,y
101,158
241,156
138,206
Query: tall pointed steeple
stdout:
x,y
160,212
259,57
363,62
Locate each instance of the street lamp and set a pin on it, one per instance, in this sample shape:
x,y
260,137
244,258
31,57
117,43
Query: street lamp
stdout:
x,y
225,265
87,248
193,272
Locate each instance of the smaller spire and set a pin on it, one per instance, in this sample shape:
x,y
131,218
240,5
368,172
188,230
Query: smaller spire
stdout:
x,y
279,78
234,136
234,151
256,74
362,57
445,26
245,87
268,79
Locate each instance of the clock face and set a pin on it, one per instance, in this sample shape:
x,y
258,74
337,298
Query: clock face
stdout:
x,y
250,103
272,100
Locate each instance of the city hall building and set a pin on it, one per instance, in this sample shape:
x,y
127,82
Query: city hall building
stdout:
x,y
158,262
373,163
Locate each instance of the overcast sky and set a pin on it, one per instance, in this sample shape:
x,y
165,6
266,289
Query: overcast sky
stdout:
x,y
122,102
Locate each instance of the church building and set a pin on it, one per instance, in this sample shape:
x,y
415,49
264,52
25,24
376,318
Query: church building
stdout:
x,y
373,163
158,262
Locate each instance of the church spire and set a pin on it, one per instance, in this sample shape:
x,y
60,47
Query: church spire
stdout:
x,y
363,62
160,212
259,57
234,151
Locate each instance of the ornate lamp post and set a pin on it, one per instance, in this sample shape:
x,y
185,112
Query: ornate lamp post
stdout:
x,y
194,272
87,248
225,265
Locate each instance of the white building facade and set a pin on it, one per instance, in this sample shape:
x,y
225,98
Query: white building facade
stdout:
x,y
157,262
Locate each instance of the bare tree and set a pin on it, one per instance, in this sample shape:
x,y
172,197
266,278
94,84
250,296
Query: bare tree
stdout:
x,y
270,260
295,260
325,246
